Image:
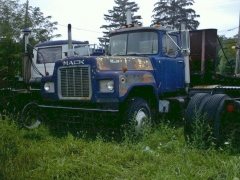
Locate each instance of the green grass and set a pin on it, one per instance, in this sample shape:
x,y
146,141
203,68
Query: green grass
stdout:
x,y
161,153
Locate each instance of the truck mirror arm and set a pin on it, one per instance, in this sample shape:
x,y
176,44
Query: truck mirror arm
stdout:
x,y
33,65
174,41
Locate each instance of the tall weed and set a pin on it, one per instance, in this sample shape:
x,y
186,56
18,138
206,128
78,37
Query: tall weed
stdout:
x,y
202,133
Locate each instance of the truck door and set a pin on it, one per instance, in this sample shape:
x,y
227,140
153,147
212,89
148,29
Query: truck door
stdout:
x,y
173,65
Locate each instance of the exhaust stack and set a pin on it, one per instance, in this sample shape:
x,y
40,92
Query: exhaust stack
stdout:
x,y
26,64
128,15
185,39
70,47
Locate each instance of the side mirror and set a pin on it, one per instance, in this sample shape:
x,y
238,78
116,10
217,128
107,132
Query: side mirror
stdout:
x,y
185,37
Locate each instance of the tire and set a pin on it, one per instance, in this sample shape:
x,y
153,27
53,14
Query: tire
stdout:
x,y
194,108
213,111
31,116
139,111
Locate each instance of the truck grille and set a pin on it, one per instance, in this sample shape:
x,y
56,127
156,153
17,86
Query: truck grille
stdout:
x,y
74,83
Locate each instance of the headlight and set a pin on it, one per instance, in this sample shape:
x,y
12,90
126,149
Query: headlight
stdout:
x,y
46,86
110,85
106,85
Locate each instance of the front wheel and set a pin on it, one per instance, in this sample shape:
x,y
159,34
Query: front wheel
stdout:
x,y
31,116
139,111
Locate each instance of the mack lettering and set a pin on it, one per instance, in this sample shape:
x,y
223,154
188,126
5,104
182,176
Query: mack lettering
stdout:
x,y
77,62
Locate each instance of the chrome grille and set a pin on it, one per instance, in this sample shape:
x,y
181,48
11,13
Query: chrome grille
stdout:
x,y
75,83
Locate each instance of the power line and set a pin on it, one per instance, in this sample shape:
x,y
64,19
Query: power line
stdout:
x,y
81,29
228,29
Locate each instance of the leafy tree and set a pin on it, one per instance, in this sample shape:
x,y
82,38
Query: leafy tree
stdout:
x,y
117,17
41,26
167,12
13,19
10,33
10,55
227,66
10,16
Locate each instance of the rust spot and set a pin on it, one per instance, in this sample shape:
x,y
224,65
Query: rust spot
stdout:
x,y
117,63
142,65
101,65
205,87
123,91
147,78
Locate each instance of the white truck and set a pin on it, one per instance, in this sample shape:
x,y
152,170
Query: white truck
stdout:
x,y
37,64
45,55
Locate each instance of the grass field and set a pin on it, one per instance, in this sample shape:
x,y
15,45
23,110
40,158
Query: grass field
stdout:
x,y
161,153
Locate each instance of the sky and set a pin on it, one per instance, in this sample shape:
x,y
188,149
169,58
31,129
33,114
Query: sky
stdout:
x,y
87,16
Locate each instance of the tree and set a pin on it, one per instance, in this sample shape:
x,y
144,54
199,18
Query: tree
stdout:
x,y
117,17
10,33
227,55
167,12
10,18
10,55
15,17
41,26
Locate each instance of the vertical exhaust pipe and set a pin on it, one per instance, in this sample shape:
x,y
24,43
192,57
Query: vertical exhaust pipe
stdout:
x,y
129,18
26,64
70,46
185,40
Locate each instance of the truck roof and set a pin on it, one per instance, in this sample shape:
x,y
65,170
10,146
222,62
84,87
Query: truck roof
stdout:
x,y
58,42
143,28
163,28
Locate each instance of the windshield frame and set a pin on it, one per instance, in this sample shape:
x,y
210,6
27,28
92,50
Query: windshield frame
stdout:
x,y
48,54
135,43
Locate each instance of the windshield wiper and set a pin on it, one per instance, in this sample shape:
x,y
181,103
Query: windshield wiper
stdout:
x,y
136,54
119,54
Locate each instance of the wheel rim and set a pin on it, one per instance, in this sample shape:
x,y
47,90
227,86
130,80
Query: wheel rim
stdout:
x,y
141,118
30,116
31,123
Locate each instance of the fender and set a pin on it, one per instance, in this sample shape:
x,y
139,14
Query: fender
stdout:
x,y
129,81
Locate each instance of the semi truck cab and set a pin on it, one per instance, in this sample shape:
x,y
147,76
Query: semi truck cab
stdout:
x,y
46,53
161,46
142,72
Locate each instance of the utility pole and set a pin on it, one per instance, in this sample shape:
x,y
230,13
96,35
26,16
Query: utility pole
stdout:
x,y
238,48
26,15
26,67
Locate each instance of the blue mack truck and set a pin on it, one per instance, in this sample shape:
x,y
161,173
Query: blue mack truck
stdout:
x,y
145,72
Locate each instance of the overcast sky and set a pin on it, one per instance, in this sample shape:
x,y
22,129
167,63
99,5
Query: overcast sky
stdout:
x,y
86,16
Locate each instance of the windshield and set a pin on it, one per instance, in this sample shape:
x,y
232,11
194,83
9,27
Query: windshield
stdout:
x,y
134,43
83,50
49,54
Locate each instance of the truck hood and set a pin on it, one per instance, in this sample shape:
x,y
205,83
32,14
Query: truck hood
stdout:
x,y
108,62
119,62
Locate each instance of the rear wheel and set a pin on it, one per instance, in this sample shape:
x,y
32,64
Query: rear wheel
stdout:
x,y
213,110
193,112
